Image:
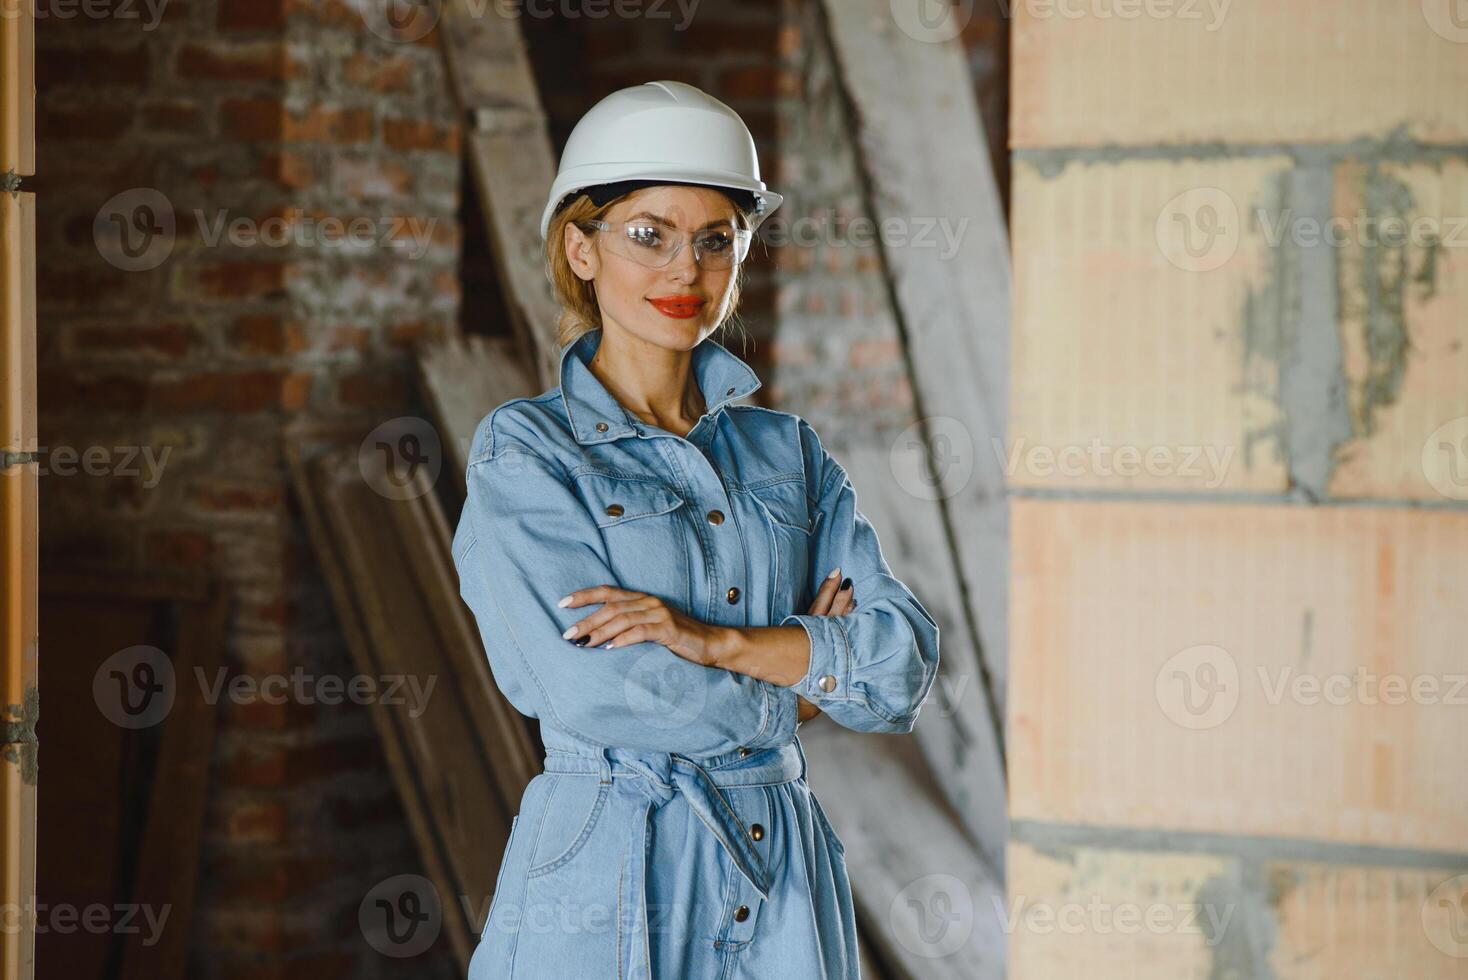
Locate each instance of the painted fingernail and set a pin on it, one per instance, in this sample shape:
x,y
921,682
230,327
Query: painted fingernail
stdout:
x,y
607,645
570,632
564,602
581,641
834,572
845,584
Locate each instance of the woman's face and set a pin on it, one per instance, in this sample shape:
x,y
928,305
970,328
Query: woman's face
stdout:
x,y
677,305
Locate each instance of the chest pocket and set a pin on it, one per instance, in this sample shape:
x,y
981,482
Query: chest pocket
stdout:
x,y
644,527
791,527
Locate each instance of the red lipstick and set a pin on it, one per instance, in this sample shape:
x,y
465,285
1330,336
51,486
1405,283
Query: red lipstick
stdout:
x,y
682,307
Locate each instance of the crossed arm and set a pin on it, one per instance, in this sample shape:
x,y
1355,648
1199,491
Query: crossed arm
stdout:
x,y
777,654
870,670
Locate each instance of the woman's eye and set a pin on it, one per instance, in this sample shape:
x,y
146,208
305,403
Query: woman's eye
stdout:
x,y
716,243
646,236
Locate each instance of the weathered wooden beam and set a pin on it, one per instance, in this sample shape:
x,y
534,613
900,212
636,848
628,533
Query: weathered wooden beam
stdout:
x,y
463,377
19,578
459,754
18,87
512,161
924,161
923,894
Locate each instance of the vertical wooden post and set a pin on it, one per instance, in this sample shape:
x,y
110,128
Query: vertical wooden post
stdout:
x,y
18,513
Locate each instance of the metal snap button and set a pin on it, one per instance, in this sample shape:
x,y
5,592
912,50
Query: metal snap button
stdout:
x,y
716,517
733,594
757,832
826,683
615,510
744,752
741,913
602,427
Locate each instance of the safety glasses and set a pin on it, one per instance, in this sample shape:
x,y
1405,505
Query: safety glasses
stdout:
x,y
653,244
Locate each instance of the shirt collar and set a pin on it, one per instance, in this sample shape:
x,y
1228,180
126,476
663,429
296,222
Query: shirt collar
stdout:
x,y
596,416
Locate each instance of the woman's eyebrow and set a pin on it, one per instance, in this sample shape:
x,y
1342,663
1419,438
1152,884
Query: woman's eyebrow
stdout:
x,y
662,220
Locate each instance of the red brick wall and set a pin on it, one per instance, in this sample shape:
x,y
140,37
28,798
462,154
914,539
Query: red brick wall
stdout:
x,y
250,109
259,109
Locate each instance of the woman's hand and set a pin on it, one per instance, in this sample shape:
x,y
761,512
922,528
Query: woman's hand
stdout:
x,y
634,617
628,617
830,600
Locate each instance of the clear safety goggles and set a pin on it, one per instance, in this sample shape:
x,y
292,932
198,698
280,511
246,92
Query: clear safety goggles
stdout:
x,y
653,244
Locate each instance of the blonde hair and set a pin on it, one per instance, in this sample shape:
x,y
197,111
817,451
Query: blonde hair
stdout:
x,y
580,313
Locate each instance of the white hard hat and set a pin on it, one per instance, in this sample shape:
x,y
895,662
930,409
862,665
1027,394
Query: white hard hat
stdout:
x,y
660,133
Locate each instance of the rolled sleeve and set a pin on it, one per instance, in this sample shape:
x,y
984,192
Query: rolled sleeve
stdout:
x,y
524,541
871,669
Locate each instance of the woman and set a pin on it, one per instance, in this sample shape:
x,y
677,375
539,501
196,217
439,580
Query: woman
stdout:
x,y
669,583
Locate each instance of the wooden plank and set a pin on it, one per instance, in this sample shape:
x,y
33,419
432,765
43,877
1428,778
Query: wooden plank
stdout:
x,y
311,479
517,756
462,756
928,157
19,554
18,87
148,783
464,378
924,895
168,869
512,161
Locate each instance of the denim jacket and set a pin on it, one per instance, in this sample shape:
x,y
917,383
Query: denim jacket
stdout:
x,y
658,770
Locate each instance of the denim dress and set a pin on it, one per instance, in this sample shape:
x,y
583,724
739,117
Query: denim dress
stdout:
x,y
672,833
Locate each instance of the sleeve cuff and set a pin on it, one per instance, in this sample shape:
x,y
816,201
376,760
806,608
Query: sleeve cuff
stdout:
x,y
783,717
829,676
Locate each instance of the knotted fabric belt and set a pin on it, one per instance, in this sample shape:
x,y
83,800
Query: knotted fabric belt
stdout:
x,y
643,781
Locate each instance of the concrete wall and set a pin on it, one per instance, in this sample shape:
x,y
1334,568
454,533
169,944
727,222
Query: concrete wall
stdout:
x,y
1240,490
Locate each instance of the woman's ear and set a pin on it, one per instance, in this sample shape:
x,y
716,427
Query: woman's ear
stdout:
x,y
580,254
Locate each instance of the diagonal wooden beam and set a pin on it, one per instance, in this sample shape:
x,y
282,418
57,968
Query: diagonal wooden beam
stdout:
x,y
923,894
924,162
512,161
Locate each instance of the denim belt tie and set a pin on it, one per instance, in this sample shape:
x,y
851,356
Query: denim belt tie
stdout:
x,y
645,781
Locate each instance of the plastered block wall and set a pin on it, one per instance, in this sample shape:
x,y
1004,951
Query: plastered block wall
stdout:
x,y
1238,465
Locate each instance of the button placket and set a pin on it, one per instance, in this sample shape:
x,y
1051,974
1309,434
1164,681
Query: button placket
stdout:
x,y
742,913
722,542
